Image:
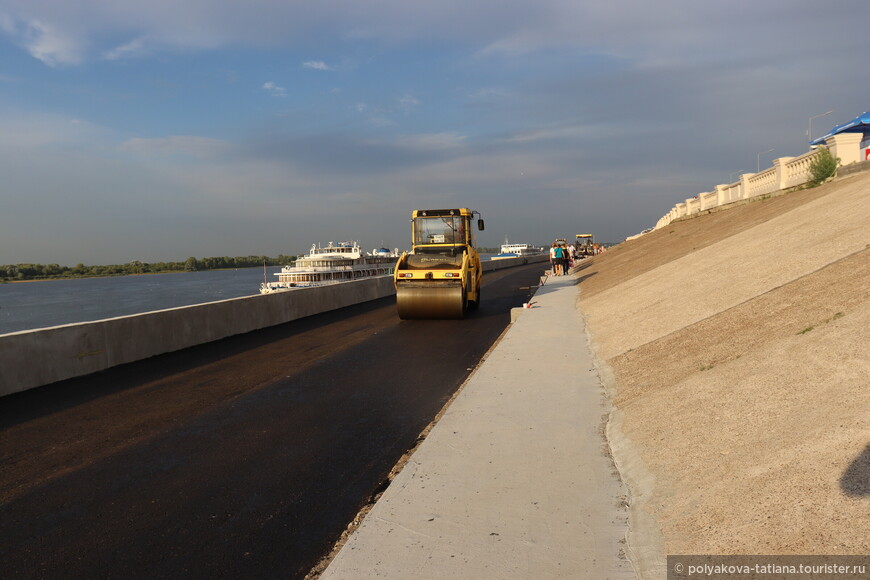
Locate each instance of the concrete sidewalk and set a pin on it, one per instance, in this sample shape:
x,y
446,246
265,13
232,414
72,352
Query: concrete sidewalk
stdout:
x,y
514,480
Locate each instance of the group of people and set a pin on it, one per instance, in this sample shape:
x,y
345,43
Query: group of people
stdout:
x,y
562,258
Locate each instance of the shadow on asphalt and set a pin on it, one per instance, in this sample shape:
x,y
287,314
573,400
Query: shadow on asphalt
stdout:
x,y
42,401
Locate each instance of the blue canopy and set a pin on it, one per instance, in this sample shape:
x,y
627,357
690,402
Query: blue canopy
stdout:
x,y
860,124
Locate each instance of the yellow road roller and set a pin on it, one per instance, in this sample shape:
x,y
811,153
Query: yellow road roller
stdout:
x,y
440,277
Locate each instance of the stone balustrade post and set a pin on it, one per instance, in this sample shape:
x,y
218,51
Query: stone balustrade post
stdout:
x,y
744,185
779,165
846,146
730,192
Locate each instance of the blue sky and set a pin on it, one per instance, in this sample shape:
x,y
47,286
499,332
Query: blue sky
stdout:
x,y
160,130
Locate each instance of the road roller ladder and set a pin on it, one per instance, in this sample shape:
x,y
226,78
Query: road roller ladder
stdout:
x,y
440,277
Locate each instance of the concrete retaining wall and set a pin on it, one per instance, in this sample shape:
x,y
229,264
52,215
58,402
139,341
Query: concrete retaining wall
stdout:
x,y
34,358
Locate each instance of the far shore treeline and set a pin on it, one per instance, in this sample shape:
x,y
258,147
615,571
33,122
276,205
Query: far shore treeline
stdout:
x,y
23,272
20,272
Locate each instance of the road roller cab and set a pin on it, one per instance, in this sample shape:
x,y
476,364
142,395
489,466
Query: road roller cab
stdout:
x,y
584,245
440,277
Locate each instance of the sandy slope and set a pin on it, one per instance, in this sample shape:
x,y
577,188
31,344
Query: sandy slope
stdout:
x,y
737,343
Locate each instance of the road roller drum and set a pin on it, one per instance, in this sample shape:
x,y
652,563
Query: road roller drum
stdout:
x,y
432,302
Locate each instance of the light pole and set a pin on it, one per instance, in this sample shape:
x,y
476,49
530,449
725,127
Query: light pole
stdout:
x,y
758,160
731,175
810,128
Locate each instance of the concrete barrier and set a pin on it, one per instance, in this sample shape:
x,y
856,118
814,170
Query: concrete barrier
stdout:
x,y
491,265
33,358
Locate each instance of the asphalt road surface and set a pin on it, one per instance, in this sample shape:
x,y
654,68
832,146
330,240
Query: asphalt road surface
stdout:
x,y
246,457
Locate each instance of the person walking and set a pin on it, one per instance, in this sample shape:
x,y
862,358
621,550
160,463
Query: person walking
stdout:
x,y
564,258
569,257
558,259
553,259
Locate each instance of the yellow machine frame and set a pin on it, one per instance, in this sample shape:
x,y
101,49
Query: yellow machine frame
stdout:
x,y
440,277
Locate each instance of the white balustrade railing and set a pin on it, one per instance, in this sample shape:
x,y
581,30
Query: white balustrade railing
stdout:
x,y
787,172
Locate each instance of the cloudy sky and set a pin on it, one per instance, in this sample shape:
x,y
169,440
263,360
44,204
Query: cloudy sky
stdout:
x,y
159,130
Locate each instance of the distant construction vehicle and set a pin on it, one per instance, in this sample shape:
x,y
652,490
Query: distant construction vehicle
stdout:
x,y
584,245
441,276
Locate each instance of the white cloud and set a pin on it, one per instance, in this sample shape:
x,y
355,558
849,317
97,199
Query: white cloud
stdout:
x,y
316,65
61,31
137,47
562,91
274,89
44,41
407,102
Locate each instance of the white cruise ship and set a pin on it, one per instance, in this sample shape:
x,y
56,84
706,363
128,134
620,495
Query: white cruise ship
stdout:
x,y
517,251
332,264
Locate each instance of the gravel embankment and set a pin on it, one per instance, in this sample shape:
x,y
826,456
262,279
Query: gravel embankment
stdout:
x,y
735,346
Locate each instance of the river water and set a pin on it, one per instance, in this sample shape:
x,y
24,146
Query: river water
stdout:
x,y
45,303
29,305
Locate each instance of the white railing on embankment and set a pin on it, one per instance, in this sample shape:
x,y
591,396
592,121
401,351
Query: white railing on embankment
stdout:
x,y
787,172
